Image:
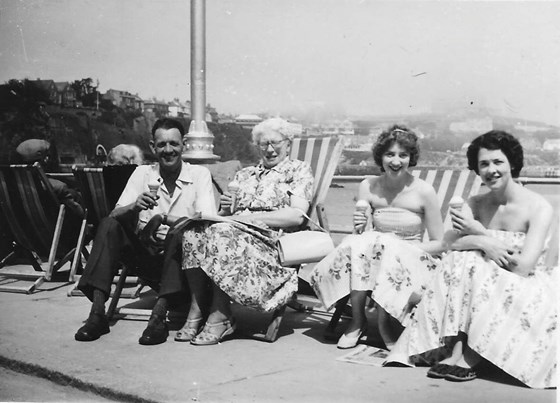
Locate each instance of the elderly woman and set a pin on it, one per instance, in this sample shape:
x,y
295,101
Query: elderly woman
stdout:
x,y
125,154
388,262
239,256
493,297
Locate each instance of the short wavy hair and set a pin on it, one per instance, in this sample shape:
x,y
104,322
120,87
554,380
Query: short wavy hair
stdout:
x,y
279,125
497,140
125,154
401,135
167,123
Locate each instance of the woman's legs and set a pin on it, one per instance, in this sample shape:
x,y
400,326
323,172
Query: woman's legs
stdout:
x,y
220,323
359,320
220,310
199,287
389,328
462,355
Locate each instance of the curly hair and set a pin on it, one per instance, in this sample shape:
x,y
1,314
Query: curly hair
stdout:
x,y
401,135
497,140
279,125
125,154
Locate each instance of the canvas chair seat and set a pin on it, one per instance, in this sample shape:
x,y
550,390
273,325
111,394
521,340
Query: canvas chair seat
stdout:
x,y
44,232
101,188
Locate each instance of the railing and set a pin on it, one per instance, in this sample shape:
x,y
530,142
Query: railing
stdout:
x,y
526,180
545,185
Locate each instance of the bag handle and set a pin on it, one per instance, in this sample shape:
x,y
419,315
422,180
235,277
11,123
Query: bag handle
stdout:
x,y
303,213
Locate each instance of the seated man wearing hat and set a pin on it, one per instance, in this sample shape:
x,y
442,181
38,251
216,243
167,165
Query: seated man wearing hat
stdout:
x,y
37,150
136,231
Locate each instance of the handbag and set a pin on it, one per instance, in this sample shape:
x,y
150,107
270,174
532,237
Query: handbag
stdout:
x,y
307,246
304,247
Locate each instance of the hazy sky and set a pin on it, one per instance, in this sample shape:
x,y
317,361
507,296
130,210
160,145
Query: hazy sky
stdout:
x,y
284,56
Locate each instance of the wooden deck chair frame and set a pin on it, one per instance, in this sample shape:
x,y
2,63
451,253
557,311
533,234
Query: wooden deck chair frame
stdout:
x,y
94,183
447,183
35,218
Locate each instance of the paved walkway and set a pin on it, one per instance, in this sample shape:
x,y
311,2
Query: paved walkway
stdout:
x,y
37,337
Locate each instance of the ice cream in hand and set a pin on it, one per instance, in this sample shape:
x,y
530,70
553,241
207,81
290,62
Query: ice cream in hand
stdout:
x,y
456,203
153,187
233,188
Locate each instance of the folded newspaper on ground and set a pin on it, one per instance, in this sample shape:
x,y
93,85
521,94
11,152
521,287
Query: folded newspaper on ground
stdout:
x,y
366,355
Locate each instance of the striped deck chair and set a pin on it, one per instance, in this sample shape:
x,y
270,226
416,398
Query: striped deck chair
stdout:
x,y
447,183
101,188
323,154
36,220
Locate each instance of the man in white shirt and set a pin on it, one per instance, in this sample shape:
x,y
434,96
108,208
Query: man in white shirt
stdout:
x,y
135,231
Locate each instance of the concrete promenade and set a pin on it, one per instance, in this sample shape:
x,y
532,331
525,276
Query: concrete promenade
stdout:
x,y
37,338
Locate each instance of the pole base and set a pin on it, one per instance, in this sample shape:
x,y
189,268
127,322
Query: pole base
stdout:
x,y
199,144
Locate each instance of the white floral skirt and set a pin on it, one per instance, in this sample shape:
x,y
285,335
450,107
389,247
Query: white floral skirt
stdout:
x,y
391,268
509,320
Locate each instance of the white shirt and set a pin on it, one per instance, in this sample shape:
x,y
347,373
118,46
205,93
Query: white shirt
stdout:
x,y
193,193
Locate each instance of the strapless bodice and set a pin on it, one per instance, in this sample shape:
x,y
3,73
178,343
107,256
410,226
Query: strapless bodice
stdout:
x,y
403,223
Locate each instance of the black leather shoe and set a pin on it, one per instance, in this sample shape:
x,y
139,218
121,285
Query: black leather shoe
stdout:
x,y
155,333
96,326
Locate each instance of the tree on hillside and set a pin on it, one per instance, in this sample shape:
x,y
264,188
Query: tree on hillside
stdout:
x,y
232,142
23,103
86,92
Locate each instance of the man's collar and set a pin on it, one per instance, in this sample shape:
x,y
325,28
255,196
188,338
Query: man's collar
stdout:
x,y
185,174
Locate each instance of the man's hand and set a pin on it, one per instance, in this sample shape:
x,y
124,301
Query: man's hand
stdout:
x,y
226,201
148,234
146,201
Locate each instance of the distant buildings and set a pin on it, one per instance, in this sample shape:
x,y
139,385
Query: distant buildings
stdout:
x,y
551,145
179,109
248,121
338,127
124,100
60,93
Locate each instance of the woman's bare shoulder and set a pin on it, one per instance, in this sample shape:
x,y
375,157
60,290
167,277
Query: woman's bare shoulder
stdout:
x,y
535,201
423,187
369,182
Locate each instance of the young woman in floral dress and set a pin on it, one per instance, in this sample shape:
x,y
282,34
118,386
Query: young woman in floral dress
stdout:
x,y
493,297
388,262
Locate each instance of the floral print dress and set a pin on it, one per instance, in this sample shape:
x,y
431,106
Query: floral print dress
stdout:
x,y
243,260
386,261
509,320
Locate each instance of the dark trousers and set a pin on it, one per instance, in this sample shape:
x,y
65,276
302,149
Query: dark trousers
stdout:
x,y
115,244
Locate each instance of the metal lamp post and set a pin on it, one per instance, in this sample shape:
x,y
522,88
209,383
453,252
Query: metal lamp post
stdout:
x,y
199,141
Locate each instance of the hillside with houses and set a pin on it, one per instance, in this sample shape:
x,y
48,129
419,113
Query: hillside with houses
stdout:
x,y
85,123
